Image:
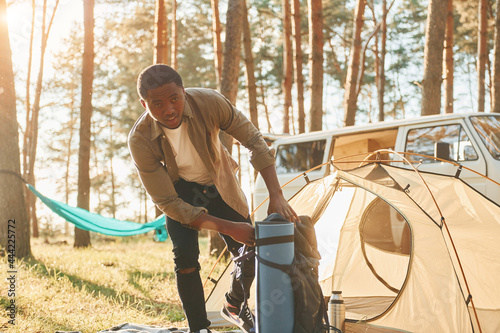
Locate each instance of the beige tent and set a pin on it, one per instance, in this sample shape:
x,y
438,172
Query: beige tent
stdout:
x,y
383,236
382,233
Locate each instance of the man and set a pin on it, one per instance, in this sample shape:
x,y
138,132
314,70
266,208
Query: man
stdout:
x,y
190,176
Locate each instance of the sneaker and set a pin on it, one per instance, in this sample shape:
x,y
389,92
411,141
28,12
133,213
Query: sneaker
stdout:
x,y
205,330
232,314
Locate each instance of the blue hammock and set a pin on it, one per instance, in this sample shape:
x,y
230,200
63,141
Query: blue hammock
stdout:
x,y
85,220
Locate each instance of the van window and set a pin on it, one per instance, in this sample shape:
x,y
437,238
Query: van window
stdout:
x,y
448,142
488,128
300,156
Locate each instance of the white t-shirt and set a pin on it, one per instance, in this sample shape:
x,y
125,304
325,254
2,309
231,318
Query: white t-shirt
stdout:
x,y
189,163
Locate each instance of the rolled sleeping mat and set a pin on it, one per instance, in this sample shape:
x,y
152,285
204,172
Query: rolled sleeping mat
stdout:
x,y
274,294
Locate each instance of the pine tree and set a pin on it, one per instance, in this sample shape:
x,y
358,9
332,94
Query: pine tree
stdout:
x,y
433,57
287,65
14,223
299,76
82,237
448,59
250,69
350,97
316,63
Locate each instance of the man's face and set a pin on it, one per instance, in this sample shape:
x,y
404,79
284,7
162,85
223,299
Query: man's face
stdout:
x,y
166,104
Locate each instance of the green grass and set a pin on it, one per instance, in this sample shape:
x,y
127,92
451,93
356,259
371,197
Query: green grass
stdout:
x,y
126,280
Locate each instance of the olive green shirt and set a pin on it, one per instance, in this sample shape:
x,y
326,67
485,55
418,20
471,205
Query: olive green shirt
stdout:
x,y
206,112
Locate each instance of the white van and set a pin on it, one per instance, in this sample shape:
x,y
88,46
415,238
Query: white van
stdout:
x,y
471,140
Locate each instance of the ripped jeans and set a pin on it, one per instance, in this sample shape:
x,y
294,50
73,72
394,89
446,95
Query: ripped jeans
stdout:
x,y
186,252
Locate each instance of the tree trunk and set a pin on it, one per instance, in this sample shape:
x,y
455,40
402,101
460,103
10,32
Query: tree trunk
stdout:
x,y
111,170
28,134
433,57
286,84
145,198
250,70
381,70
448,60
161,45
350,101
175,36
266,109
68,155
377,68
161,38
14,221
232,50
216,31
496,65
27,102
29,196
232,55
482,56
316,63
229,80
361,70
33,126
33,130
94,153
82,237
299,76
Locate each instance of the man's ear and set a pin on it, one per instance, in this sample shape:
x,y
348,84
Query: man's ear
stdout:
x,y
143,102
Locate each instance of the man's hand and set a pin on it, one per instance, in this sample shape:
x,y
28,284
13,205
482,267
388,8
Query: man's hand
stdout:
x,y
243,232
278,204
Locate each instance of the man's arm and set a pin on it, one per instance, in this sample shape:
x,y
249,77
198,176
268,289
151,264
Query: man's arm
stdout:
x,y
239,231
235,123
277,202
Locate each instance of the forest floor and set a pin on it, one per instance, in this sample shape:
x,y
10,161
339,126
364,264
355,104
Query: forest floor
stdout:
x,y
115,281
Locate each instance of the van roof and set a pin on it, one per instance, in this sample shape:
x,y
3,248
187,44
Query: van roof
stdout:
x,y
383,125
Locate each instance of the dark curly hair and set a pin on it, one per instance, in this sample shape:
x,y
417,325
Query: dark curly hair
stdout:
x,y
156,76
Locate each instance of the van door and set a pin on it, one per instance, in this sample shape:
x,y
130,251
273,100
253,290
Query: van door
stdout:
x,y
487,130
450,141
293,158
